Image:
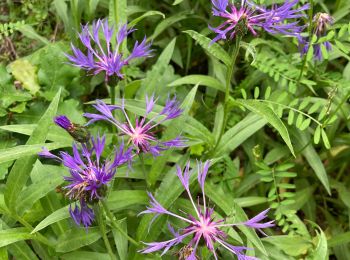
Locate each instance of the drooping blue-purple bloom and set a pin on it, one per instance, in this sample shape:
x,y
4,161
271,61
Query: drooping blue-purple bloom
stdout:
x,y
141,134
89,174
202,226
249,16
63,122
321,23
100,55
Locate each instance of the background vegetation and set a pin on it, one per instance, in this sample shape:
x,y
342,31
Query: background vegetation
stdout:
x,y
286,145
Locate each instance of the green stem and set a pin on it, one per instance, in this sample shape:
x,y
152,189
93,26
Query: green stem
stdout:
x,y
102,225
116,225
310,37
144,169
112,94
229,75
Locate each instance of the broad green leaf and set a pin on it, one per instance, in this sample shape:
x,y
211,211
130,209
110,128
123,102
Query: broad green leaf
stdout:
x,y
76,238
50,179
54,217
321,250
12,235
239,133
21,169
339,239
25,72
291,245
120,242
122,199
85,255
28,31
163,25
269,115
202,80
117,12
20,151
55,134
62,12
150,83
149,13
214,49
312,157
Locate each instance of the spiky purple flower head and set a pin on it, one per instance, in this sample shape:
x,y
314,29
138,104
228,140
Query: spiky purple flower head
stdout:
x,y
203,226
249,17
89,174
101,55
321,23
142,133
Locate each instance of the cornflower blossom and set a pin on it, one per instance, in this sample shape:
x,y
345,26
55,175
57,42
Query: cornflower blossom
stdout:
x,y
89,175
250,16
108,59
142,134
202,226
321,22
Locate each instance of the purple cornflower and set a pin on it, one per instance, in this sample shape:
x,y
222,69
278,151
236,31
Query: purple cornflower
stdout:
x,y
142,134
250,16
89,175
321,23
202,226
109,58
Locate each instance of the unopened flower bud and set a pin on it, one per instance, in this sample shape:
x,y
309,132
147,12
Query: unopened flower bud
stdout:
x,y
78,132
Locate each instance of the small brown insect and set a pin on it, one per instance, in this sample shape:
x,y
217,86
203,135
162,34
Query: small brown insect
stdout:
x,y
185,252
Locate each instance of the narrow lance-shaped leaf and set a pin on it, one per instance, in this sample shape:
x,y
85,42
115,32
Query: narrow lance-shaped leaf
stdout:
x,y
21,169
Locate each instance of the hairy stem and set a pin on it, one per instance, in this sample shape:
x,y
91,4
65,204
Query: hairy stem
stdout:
x,y
116,225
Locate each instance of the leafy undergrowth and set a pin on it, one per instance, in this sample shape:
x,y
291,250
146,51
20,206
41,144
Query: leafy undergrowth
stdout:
x,y
270,112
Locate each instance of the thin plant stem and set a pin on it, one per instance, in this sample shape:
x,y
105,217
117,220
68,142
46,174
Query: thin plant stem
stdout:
x,y
116,225
229,74
102,225
144,169
311,13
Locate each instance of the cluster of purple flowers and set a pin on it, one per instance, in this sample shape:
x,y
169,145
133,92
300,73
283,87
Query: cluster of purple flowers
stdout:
x,y
89,174
203,225
250,16
96,58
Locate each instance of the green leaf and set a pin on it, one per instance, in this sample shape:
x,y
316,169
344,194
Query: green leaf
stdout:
x,y
214,49
117,11
25,72
235,136
168,22
21,169
150,83
339,239
121,199
55,134
325,139
20,151
202,80
267,113
149,13
28,31
120,241
50,178
309,152
76,238
85,255
54,217
12,235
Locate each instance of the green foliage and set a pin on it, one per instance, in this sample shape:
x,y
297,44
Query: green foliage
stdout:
x,y
279,140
